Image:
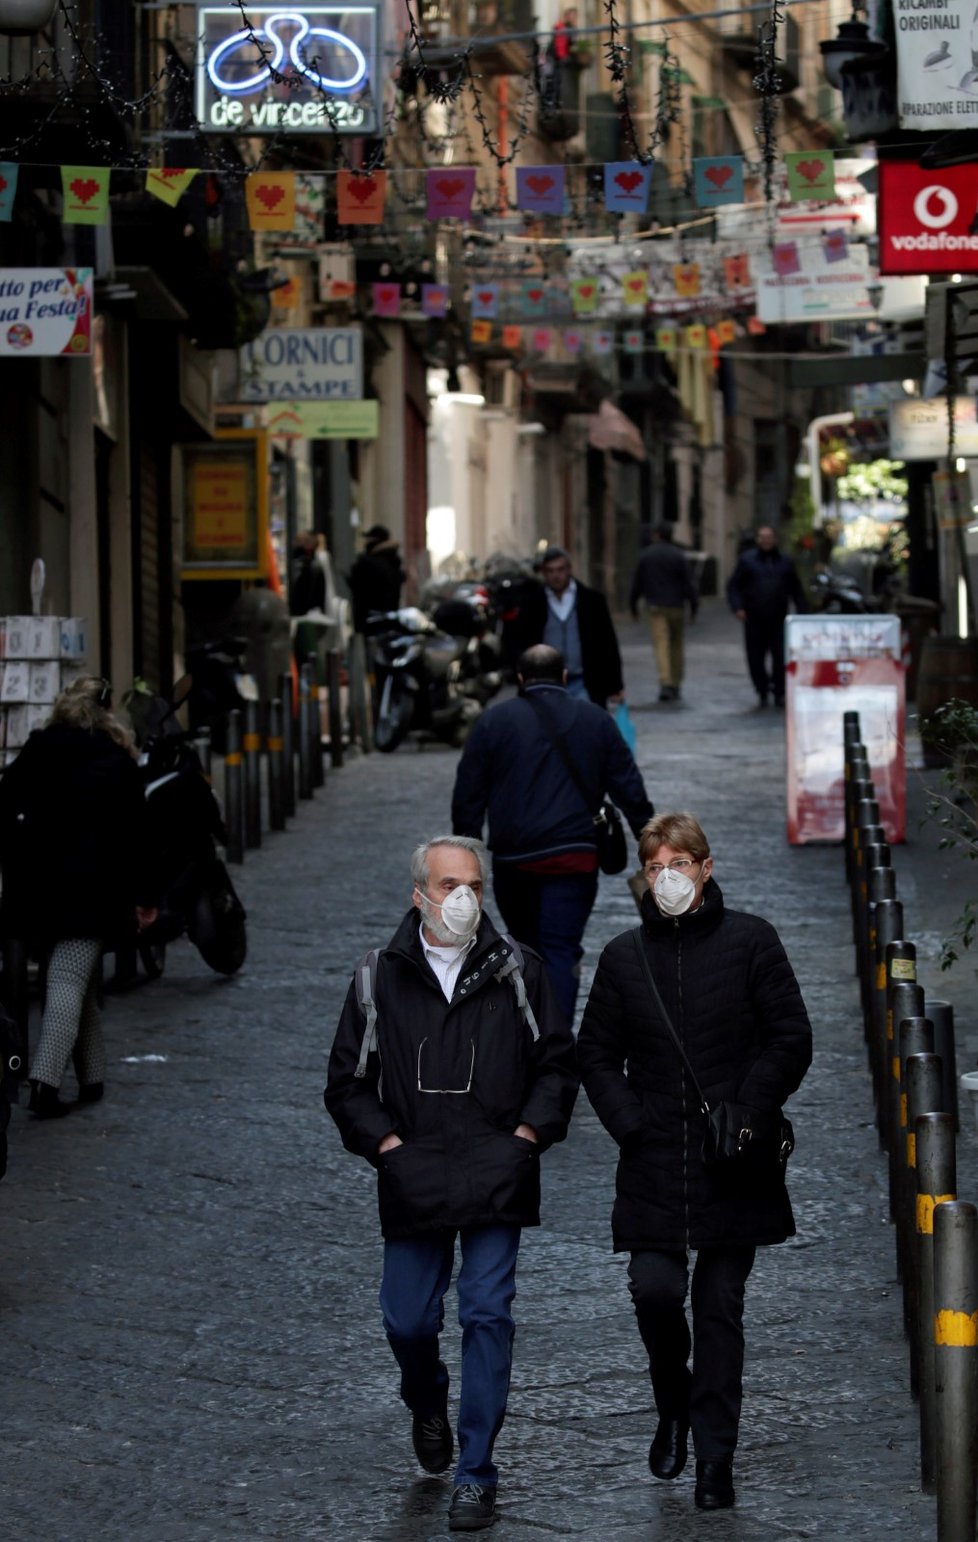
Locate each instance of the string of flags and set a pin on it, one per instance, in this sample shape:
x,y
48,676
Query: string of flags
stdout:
x,y
273,197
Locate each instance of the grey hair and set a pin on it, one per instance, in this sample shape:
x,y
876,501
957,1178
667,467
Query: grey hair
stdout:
x,y
419,858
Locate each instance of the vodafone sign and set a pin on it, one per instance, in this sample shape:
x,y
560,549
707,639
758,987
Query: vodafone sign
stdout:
x,y
928,220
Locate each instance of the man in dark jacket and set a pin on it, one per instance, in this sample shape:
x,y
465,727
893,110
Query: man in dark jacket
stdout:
x,y
734,1004
759,590
478,1080
663,580
376,577
541,822
574,619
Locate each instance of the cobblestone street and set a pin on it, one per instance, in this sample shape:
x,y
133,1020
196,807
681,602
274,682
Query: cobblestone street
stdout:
x,y
192,1347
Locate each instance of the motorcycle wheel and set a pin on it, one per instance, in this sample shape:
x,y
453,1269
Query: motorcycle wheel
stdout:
x,y
152,956
393,717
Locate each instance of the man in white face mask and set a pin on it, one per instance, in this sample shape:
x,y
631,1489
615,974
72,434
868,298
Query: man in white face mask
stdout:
x,y
471,1076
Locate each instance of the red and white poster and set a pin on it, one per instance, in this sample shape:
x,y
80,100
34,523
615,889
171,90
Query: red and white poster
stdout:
x,y
835,665
926,218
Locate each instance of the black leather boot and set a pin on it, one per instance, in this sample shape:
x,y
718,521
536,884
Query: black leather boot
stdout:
x,y
670,1445
714,1484
45,1103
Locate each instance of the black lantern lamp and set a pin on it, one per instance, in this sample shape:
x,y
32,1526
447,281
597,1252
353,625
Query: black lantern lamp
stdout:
x,y
22,17
853,42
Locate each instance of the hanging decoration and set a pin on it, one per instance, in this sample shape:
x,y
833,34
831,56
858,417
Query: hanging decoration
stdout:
x,y
686,278
8,190
360,200
785,258
485,300
718,179
635,287
767,83
736,271
533,297
627,187
810,175
481,331
85,191
434,299
665,340
540,189
450,192
602,343
541,339
169,183
270,198
835,245
584,296
633,341
512,337
387,299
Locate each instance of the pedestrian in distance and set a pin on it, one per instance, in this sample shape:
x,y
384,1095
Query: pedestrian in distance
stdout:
x,y
79,875
376,578
760,589
574,619
664,581
479,1079
515,769
717,983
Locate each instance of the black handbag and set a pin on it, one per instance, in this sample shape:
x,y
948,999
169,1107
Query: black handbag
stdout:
x,y
734,1134
609,832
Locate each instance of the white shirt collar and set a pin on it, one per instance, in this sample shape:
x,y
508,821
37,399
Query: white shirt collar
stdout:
x,y
563,604
446,960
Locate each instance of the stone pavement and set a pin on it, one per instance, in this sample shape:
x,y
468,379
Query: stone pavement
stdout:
x,y
188,1272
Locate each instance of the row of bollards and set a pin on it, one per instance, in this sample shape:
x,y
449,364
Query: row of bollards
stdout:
x,y
910,1046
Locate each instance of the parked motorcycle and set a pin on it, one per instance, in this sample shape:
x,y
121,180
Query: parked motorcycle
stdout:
x,y
198,897
422,683
838,594
221,682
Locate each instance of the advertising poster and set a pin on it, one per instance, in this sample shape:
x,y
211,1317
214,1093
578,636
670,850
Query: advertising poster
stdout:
x,y
919,427
812,284
46,311
926,218
835,665
225,506
322,364
937,76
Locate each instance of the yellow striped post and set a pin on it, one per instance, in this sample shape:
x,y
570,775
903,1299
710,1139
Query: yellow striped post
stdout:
x,y
956,1369
936,1187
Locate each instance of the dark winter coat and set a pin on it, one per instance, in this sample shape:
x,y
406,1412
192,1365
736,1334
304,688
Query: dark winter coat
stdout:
x,y
511,769
763,584
730,991
599,642
375,582
75,847
662,577
460,1164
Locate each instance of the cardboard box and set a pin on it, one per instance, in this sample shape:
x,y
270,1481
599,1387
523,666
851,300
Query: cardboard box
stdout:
x,y
74,638
44,637
15,681
70,673
16,640
45,682
17,729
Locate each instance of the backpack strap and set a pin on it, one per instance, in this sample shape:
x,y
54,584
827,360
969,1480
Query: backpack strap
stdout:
x,y
365,980
513,970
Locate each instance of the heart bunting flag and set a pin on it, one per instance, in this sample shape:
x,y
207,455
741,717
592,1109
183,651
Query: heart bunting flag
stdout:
x,y
665,339
512,337
633,341
626,187
85,190
811,174
387,299
540,189
602,342
635,287
785,259
584,296
360,197
434,299
450,190
835,245
481,331
270,196
8,189
718,179
573,342
686,277
736,271
169,183
541,339
533,297
485,301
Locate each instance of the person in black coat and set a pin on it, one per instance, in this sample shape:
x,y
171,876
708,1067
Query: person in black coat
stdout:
x,y
662,578
760,589
730,992
574,619
474,1088
541,822
78,874
376,577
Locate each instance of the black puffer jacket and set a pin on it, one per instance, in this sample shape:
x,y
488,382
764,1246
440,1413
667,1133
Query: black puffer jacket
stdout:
x,y
726,983
460,1164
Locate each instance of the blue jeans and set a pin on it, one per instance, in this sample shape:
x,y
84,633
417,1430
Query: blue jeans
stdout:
x,y
417,1274
548,911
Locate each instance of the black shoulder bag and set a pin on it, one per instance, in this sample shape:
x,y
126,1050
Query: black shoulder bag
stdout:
x,y
733,1133
609,832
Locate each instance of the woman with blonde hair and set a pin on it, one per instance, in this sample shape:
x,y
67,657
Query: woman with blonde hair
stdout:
x,y
77,868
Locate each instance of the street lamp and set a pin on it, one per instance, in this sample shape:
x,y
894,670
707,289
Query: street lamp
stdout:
x,y
853,42
22,17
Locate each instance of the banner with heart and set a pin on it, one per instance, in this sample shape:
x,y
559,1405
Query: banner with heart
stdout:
x,y
695,336
584,296
686,279
85,191
450,190
635,288
169,183
360,197
485,300
602,342
434,299
270,196
558,300
626,187
541,339
666,339
512,337
573,342
8,189
811,174
481,331
736,271
387,299
533,297
835,245
718,179
785,259
726,331
633,341
540,189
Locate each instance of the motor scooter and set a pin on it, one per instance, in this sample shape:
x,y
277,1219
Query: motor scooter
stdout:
x,y
419,679
198,897
221,684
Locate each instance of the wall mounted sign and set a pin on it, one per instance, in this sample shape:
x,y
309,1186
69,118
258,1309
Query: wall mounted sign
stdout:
x,y
937,81
46,311
308,69
225,506
323,420
800,281
926,218
323,364
918,428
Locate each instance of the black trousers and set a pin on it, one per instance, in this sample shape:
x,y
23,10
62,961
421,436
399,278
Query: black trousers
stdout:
x,y
763,637
658,1283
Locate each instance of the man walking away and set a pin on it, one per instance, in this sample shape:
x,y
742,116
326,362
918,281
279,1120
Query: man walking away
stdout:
x,y
759,591
376,577
664,581
478,1080
574,619
541,817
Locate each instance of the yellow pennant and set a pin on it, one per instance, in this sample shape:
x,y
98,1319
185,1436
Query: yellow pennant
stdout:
x,y
271,200
169,182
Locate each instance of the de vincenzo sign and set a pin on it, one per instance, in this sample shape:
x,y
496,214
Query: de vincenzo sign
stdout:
x,y
307,69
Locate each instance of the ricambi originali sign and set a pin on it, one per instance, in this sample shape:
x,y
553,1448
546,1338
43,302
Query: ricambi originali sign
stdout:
x,y
280,69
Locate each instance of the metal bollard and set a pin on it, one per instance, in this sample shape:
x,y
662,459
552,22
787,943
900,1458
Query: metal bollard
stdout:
x,y
276,767
334,691
862,794
361,725
876,855
302,733
889,928
315,727
941,1014
233,801
915,1036
936,1185
251,745
901,972
288,741
956,1369
881,885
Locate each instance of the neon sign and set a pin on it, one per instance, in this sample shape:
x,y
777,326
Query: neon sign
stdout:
x,y
304,69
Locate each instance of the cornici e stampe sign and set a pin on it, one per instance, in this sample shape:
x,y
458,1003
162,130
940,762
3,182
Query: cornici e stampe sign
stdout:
x,y
277,69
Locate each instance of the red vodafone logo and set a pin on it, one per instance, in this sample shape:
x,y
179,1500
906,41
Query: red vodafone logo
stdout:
x,y
928,220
